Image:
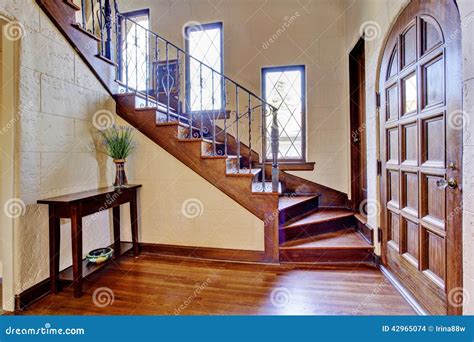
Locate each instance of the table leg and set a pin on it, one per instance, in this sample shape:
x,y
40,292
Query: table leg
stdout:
x,y
54,239
134,223
116,224
76,236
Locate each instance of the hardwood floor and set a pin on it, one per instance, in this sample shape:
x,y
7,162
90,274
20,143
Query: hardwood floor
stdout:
x,y
152,285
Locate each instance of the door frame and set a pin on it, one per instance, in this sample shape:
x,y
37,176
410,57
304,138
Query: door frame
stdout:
x,y
356,104
454,273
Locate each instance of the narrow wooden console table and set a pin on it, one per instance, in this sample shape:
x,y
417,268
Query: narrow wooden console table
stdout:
x,y
75,207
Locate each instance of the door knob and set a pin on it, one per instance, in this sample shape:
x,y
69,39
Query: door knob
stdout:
x,y
450,183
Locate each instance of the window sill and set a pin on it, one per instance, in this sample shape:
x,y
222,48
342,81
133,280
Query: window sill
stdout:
x,y
293,166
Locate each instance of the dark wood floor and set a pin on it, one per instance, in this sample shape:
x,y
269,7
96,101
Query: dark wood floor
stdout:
x,y
153,285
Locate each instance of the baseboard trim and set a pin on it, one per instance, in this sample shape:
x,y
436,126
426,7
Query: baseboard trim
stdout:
x,y
403,291
32,295
211,253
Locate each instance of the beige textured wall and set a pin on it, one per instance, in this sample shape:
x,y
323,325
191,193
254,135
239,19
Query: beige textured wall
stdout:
x,y
58,97
383,13
313,38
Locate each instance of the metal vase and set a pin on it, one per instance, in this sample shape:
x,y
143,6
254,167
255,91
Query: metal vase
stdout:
x,y
120,176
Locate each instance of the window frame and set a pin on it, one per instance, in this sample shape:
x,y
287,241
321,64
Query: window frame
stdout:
x,y
220,26
283,68
129,15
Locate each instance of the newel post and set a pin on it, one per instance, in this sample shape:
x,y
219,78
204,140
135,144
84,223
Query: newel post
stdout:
x,y
275,147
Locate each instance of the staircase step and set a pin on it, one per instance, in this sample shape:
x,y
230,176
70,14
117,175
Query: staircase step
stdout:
x,y
242,172
321,221
321,216
257,187
342,246
293,206
348,238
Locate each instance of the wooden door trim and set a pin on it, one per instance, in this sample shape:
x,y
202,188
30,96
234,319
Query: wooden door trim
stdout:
x,y
355,106
451,26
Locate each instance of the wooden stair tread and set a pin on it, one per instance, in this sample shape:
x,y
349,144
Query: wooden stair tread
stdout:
x,y
289,201
321,216
206,140
342,239
243,172
361,218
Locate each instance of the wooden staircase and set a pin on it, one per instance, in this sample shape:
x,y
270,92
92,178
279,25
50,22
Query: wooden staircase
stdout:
x,y
303,221
312,234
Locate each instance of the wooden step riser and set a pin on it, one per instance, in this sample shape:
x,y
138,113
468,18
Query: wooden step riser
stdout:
x,y
295,233
232,163
340,255
183,133
207,149
297,210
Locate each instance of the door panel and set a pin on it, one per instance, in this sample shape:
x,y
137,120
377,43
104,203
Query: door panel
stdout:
x,y
420,151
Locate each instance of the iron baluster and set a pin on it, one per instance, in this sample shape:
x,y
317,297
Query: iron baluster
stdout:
x,y
108,29
238,124
147,78
225,118
126,56
167,84
136,58
250,135
157,70
93,15
83,6
213,117
264,153
118,37
200,87
274,142
178,90
101,27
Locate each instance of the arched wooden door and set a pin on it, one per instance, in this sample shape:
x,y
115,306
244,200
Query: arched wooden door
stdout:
x,y
421,153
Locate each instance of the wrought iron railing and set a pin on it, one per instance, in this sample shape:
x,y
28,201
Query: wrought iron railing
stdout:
x,y
214,107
